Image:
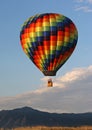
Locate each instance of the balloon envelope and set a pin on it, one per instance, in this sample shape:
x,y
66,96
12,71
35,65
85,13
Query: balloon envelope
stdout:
x,y
48,40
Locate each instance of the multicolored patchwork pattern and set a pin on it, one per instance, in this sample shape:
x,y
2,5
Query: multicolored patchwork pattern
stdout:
x,y
48,40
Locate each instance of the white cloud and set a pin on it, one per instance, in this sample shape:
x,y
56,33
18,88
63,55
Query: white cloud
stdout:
x,y
84,9
84,1
79,1
71,93
83,5
89,1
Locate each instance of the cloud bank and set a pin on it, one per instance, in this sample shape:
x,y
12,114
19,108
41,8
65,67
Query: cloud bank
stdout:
x,y
71,93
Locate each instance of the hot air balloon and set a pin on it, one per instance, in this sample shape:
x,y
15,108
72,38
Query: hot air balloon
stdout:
x,y
48,40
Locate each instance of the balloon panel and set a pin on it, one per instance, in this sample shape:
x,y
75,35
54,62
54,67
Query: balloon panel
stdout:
x,y
48,40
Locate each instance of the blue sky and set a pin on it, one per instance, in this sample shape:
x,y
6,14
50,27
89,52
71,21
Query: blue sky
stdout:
x,y
18,75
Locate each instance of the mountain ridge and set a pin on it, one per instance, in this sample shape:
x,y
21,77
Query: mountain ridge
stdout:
x,y
27,116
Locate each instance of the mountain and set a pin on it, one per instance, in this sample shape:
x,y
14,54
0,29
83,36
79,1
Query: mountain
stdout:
x,y
27,116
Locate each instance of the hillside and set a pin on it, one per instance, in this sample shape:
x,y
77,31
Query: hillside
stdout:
x,y
27,116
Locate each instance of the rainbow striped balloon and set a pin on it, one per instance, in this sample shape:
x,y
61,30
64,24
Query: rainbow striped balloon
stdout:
x,y
48,40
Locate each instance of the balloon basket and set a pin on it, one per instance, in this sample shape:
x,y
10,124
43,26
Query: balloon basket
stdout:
x,y
50,83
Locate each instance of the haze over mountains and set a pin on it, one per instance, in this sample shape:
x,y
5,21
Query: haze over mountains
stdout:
x,y
27,116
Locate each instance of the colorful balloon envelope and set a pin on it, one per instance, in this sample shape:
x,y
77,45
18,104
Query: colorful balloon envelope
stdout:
x,y
48,40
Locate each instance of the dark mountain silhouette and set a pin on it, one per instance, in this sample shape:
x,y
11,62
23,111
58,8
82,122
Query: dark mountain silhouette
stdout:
x,y
27,116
